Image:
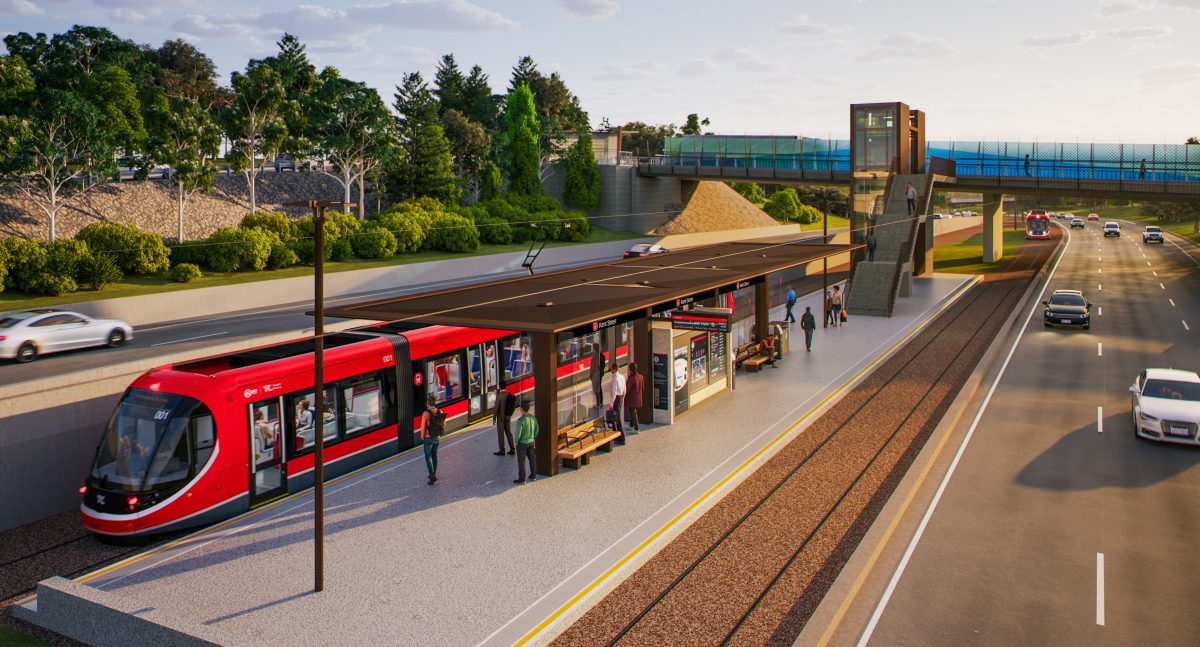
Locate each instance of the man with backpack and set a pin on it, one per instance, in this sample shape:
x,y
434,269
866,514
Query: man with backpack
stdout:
x,y
527,431
506,404
433,427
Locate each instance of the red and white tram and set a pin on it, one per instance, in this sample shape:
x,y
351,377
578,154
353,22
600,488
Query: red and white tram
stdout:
x,y
193,443
1037,225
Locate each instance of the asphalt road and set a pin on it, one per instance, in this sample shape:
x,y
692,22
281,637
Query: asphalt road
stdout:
x,y
1058,526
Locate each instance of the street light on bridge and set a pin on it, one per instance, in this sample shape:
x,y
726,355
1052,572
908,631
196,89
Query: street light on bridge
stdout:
x,y
318,208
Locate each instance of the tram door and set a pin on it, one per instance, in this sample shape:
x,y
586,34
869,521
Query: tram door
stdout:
x,y
481,360
268,477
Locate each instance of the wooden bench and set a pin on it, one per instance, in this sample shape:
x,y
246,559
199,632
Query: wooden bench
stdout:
x,y
745,352
578,442
755,363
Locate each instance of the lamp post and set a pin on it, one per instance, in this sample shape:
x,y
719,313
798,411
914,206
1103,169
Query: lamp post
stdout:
x,y
318,208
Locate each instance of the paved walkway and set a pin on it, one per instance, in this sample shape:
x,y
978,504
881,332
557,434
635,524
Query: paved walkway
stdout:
x,y
476,559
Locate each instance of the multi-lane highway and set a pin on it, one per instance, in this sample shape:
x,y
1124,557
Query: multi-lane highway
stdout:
x,y
1058,526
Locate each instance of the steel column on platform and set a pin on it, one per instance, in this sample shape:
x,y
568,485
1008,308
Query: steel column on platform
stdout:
x,y
545,401
643,354
993,227
762,310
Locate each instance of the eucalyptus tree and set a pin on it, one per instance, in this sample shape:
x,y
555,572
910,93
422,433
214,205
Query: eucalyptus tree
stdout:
x,y
352,129
255,122
184,135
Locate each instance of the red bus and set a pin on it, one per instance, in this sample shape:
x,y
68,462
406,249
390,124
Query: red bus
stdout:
x,y
193,443
1037,225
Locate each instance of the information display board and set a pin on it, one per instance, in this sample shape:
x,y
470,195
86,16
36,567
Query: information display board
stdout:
x,y
661,380
717,356
680,369
707,319
699,357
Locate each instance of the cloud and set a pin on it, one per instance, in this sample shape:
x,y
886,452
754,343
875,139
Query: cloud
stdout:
x,y
313,22
200,27
746,60
1138,32
1058,40
627,71
20,8
1177,73
802,26
697,67
1122,7
910,45
137,11
585,9
433,15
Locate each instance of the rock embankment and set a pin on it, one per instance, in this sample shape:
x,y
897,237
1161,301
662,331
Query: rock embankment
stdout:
x,y
713,206
150,204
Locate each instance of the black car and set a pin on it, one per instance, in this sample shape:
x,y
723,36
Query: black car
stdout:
x,y
1067,308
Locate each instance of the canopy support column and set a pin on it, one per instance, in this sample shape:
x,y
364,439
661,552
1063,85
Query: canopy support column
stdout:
x,y
545,401
993,227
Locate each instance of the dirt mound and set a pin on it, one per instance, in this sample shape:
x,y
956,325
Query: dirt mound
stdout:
x,y
713,206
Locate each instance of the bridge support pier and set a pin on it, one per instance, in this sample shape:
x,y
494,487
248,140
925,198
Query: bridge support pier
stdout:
x,y
993,227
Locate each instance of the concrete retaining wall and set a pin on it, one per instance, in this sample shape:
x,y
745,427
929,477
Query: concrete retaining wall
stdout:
x,y
95,617
948,225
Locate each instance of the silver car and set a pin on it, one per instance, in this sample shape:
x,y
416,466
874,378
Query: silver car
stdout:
x,y
26,335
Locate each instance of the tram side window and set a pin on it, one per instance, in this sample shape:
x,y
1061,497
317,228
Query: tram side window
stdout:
x,y
206,438
365,404
304,417
172,461
444,377
517,362
265,422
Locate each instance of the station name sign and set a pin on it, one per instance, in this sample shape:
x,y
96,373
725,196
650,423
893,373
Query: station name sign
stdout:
x,y
602,324
741,284
706,319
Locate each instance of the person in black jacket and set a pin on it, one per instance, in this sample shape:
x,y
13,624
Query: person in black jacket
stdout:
x,y
808,323
506,404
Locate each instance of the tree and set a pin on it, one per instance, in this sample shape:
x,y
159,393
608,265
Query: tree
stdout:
x,y
1192,140
254,122
1167,212
300,81
469,146
423,166
415,105
750,191
783,205
113,93
582,186
57,142
490,185
643,139
479,104
450,86
525,71
693,124
348,121
524,154
180,70
184,135
82,50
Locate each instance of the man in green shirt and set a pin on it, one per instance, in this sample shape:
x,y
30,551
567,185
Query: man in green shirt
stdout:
x,y
527,431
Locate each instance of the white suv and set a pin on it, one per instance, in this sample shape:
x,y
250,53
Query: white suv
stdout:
x,y
1152,235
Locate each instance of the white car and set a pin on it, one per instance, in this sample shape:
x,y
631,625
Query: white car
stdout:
x,y
645,249
24,336
1166,405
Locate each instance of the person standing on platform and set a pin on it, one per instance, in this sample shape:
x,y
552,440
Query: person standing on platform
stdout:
x,y
617,397
790,302
828,308
597,378
808,323
506,404
837,306
433,426
527,432
635,386
911,195
871,242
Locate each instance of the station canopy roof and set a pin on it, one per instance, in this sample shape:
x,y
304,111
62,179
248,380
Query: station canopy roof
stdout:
x,y
577,298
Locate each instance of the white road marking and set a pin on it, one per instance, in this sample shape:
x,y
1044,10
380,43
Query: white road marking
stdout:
x,y
1147,263
1100,589
1100,311
1184,322
178,341
1100,270
1099,349
962,448
1099,287
1162,286
1172,302
1099,420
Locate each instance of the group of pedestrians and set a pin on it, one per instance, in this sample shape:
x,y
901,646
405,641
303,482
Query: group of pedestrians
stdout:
x,y
625,395
834,314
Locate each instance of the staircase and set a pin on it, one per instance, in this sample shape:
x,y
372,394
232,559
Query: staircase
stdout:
x,y
875,285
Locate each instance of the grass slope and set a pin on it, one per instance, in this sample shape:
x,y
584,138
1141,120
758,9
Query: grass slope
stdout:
x,y
966,257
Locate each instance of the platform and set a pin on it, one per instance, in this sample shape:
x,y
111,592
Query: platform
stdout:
x,y
478,560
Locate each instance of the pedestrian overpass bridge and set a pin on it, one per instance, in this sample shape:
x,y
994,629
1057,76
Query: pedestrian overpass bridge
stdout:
x,y
1103,171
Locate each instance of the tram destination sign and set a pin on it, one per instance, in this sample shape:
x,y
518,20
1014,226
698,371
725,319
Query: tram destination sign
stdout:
x,y
708,319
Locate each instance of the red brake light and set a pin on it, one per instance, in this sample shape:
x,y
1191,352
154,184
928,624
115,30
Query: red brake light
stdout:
x,y
132,501
83,490
2,337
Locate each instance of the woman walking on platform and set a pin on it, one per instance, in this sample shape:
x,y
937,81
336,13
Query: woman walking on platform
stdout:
x,y
635,385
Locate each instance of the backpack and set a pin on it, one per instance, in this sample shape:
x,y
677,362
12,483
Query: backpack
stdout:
x,y
437,423
510,405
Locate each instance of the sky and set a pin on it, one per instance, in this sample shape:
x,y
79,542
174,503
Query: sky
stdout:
x,y
1050,70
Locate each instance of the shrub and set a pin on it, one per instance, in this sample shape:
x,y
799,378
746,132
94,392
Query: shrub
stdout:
x,y
194,252
137,252
347,224
375,241
3,267
494,231
504,210
232,249
54,285
581,227
340,249
808,214
534,202
453,233
305,245
185,273
65,257
406,226
783,205
751,191
98,271
26,263
270,221
281,256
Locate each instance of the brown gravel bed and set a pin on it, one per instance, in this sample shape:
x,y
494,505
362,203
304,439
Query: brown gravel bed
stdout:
x,y
829,483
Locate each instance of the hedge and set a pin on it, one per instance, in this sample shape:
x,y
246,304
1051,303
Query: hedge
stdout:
x,y
375,241
136,252
232,249
452,233
279,223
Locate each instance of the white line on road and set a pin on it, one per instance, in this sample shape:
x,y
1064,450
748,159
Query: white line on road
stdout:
x,y
1185,326
1099,420
177,341
1172,302
1100,270
1148,264
1099,287
1100,311
962,448
1100,589
1099,349
1162,286
1154,273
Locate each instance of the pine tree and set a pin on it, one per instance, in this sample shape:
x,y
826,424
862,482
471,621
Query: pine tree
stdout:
x,y
491,185
582,187
524,154
450,86
525,71
430,168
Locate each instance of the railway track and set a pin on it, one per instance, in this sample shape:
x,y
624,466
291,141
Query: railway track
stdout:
x,y
752,569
